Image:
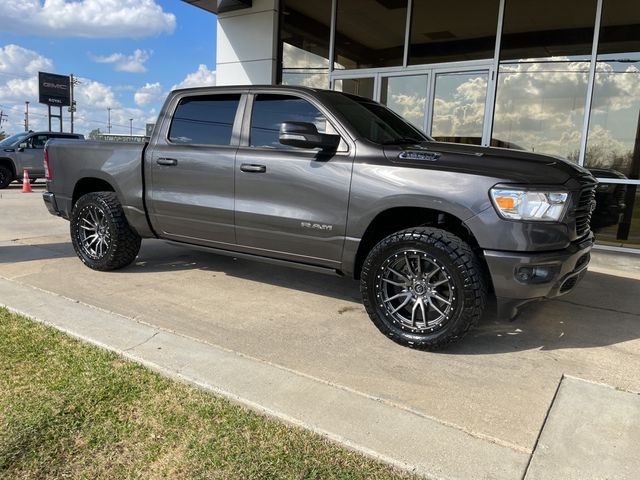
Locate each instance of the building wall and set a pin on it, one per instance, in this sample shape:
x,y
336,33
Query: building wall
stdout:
x,y
246,45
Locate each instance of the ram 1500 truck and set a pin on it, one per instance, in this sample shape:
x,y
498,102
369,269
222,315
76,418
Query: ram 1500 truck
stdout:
x,y
24,151
336,183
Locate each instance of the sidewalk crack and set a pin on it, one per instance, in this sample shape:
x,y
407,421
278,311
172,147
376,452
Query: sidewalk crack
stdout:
x,y
141,343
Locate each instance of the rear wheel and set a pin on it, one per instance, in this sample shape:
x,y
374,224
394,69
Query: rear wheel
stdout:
x,y
100,233
423,287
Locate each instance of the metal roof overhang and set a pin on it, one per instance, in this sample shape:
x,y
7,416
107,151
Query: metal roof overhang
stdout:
x,y
220,6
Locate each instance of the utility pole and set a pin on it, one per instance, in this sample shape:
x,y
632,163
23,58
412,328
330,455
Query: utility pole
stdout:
x,y
26,116
108,119
72,108
2,117
131,127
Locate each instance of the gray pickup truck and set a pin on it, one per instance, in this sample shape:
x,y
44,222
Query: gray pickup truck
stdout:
x,y
334,183
24,150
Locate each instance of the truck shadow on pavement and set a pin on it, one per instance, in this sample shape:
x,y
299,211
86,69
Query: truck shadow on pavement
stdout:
x,y
603,310
18,252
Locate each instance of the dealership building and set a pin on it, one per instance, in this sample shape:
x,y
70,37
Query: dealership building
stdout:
x,y
560,77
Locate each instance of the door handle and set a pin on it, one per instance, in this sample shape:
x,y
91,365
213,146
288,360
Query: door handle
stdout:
x,y
253,168
169,162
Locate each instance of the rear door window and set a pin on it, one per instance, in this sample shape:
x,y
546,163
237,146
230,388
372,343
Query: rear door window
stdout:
x,y
204,120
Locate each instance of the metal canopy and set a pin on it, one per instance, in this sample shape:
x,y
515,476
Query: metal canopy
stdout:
x,y
220,6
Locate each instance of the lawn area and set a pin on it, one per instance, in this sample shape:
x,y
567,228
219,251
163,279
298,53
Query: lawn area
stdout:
x,y
71,410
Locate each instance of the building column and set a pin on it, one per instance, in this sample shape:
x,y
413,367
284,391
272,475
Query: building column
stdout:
x,y
247,45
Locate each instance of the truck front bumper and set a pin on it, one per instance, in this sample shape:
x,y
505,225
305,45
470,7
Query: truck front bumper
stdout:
x,y
522,277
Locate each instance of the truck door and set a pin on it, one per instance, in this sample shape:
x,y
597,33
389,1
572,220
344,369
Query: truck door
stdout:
x,y
32,157
190,169
290,202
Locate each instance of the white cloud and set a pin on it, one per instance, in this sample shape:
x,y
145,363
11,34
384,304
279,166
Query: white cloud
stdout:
x,y
19,83
133,63
150,93
86,18
203,77
14,58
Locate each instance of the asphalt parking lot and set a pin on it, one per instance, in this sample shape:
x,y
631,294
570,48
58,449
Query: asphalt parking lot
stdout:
x,y
498,384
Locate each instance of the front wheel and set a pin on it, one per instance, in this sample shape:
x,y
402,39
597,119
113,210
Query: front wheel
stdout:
x,y
6,177
423,287
100,233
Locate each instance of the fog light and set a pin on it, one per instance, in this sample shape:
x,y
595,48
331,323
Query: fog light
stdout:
x,y
535,274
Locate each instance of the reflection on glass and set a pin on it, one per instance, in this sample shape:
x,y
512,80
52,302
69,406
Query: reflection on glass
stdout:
x,y
543,75
370,33
458,108
439,33
356,86
544,29
304,42
614,126
540,105
407,96
616,220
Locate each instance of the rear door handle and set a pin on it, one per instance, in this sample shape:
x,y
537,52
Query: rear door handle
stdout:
x,y
253,168
169,162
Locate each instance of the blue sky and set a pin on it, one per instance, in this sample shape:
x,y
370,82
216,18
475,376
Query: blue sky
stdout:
x,y
127,52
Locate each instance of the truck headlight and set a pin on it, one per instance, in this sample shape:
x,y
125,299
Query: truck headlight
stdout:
x,y
528,204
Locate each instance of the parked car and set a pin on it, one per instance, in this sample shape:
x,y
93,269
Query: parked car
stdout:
x,y
334,183
24,150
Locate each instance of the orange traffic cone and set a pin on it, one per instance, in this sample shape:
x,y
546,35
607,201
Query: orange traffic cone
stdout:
x,y
26,182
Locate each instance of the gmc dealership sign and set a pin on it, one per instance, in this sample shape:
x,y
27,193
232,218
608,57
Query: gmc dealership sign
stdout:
x,y
54,89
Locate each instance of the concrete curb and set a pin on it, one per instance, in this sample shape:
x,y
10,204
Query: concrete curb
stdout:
x,y
404,439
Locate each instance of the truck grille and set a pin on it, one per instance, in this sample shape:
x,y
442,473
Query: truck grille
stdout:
x,y
583,208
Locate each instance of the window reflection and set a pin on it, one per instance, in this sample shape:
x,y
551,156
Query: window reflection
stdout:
x,y
458,109
614,126
543,75
407,96
356,86
616,220
304,42
439,33
370,33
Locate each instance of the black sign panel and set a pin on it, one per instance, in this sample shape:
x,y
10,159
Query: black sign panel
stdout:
x,y
54,89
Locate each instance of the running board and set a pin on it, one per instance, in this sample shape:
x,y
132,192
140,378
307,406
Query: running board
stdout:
x,y
258,258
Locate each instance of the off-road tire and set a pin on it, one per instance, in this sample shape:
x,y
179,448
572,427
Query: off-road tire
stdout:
x,y
6,177
461,271
124,243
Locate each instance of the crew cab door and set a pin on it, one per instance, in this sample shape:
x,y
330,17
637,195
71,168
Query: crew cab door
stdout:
x,y
290,202
32,157
190,169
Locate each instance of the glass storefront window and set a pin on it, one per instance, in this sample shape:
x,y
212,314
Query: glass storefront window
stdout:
x,y
377,41
614,126
616,219
304,42
458,107
543,76
452,31
356,86
407,96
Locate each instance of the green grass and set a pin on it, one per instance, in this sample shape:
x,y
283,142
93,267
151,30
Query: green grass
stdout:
x,y
71,410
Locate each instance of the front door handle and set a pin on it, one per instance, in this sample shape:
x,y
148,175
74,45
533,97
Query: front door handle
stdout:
x,y
253,168
169,162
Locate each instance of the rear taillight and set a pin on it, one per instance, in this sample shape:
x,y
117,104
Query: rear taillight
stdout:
x,y
47,169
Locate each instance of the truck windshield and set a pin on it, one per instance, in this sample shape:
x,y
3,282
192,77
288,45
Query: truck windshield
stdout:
x,y
14,139
374,121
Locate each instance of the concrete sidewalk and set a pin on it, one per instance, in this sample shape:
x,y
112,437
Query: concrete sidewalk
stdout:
x,y
370,425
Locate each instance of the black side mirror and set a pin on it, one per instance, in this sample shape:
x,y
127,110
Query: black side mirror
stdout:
x,y
22,146
305,135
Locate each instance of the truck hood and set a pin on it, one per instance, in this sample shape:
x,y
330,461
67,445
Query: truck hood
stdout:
x,y
514,166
